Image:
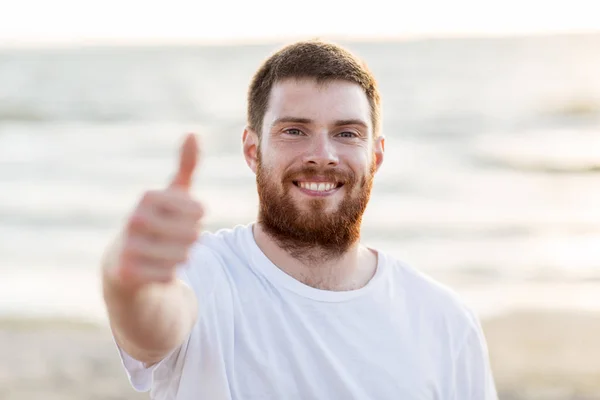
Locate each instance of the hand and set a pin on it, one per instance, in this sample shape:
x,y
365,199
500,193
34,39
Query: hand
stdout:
x,y
161,230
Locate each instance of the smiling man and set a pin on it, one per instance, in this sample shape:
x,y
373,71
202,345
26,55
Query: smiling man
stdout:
x,y
292,306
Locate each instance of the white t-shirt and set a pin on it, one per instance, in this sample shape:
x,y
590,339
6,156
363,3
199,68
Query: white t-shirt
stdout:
x,y
263,335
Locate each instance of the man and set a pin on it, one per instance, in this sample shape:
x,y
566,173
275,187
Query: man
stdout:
x,y
292,306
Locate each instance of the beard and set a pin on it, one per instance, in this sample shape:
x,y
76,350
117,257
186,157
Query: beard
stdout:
x,y
312,233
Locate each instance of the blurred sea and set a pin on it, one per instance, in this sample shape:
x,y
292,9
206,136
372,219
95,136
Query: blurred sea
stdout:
x,y
491,181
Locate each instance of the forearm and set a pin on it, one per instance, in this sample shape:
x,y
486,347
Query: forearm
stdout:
x,y
151,321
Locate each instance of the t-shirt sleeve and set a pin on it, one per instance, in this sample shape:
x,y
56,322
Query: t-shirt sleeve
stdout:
x,y
473,374
141,376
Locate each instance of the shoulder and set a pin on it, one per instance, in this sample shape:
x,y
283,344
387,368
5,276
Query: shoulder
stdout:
x,y
432,301
221,243
212,258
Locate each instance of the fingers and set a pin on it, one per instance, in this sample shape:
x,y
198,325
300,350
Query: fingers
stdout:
x,y
162,227
159,254
188,159
146,257
172,203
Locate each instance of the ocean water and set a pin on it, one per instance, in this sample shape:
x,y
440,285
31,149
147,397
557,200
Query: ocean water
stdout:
x,y
491,181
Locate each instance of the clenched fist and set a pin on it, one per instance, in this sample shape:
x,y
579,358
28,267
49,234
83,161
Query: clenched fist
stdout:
x,y
160,231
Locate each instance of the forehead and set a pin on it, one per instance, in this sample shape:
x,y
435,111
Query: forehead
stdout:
x,y
321,102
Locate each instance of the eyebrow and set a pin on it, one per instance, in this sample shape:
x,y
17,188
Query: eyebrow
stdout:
x,y
339,122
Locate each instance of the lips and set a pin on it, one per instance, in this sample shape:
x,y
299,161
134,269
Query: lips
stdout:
x,y
321,182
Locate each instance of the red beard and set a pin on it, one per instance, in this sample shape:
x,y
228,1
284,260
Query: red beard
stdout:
x,y
296,230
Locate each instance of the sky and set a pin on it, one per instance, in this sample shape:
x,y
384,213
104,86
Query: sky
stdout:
x,y
26,22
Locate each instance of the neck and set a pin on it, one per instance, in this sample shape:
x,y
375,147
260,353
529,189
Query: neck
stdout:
x,y
314,267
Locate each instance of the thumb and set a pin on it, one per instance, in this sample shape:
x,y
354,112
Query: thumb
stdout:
x,y
188,158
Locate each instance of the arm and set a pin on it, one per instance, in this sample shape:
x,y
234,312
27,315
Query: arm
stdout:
x,y
151,312
152,321
473,374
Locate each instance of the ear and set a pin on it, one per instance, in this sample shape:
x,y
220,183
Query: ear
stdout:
x,y
250,147
378,151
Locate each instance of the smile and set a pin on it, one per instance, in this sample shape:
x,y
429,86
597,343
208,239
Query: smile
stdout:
x,y
320,188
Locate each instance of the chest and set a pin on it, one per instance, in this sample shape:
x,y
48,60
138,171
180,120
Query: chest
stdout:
x,y
355,350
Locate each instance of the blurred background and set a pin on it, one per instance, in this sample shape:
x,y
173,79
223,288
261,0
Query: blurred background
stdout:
x,y
491,182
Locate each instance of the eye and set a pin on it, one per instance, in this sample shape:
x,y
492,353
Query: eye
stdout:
x,y
348,134
294,132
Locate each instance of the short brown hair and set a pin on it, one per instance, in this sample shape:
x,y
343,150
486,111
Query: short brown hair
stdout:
x,y
315,59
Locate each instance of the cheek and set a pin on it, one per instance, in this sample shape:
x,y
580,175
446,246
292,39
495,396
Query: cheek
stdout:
x,y
271,171
278,162
272,166
360,163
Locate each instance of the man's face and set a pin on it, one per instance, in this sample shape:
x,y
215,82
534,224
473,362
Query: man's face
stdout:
x,y
315,164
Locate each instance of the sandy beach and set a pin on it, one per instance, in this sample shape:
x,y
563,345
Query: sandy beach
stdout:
x,y
535,355
546,355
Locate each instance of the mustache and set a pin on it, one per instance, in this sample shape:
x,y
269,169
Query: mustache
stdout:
x,y
331,174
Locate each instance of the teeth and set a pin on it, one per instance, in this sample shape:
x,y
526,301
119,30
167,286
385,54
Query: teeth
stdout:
x,y
317,187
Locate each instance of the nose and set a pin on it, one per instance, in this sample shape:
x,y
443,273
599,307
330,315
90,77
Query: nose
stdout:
x,y
321,152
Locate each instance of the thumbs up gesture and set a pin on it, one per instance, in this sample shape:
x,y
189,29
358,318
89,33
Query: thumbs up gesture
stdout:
x,y
161,229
